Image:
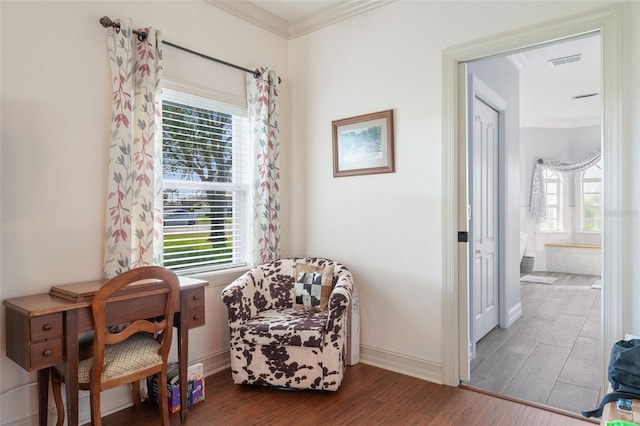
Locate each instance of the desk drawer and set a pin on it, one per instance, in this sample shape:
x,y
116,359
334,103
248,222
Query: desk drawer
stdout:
x,y
45,327
45,354
34,342
195,307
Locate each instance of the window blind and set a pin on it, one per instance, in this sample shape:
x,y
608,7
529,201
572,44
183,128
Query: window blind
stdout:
x,y
205,192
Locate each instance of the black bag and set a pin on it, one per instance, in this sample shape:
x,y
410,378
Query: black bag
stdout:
x,y
624,374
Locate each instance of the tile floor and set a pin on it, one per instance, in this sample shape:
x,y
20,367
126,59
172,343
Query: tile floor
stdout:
x,y
551,355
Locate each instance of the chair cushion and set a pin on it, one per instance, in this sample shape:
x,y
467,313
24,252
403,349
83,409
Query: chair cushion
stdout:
x,y
285,327
137,352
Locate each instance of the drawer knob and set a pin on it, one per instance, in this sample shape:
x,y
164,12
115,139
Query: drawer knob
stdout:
x,y
47,352
47,327
196,317
196,297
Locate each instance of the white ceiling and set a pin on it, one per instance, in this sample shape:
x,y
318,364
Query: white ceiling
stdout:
x,y
546,93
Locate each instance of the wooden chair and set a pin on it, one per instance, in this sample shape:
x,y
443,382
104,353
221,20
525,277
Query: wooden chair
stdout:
x,y
140,350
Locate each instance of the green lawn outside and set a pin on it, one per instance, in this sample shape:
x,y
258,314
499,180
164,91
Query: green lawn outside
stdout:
x,y
174,248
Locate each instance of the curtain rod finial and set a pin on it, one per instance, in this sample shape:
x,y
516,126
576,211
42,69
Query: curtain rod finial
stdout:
x,y
106,22
257,74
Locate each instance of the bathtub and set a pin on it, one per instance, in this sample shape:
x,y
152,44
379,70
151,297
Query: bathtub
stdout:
x,y
574,258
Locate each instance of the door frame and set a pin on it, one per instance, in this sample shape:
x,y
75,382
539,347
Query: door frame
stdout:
x,y
479,89
607,22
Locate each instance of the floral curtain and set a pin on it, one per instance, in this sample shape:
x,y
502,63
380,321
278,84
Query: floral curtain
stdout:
x,y
264,132
133,234
538,206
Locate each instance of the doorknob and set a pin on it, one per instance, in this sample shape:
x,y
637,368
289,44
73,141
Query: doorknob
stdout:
x,y
477,251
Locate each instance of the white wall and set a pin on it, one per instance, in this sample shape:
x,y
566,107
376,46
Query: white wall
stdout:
x,y
387,228
55,119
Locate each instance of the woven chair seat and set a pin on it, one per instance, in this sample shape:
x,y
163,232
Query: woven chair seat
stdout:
x,y
140,351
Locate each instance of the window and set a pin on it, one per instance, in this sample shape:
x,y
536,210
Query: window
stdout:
x,y
591,191
205,194
553,188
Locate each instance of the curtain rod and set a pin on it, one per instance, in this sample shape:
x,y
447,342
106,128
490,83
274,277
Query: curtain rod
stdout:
x,y
107,22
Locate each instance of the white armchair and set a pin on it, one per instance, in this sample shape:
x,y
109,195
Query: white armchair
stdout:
x,y
287,333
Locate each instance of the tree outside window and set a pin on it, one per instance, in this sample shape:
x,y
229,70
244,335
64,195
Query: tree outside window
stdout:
x,y
203,193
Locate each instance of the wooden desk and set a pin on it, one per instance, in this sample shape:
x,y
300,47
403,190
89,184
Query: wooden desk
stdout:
x,y
42,330
610,413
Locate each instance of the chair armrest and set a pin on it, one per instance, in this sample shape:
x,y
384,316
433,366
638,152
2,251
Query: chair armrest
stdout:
x,y
339,300
238,297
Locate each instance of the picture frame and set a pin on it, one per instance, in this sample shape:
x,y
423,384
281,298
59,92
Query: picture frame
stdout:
x,y
363,144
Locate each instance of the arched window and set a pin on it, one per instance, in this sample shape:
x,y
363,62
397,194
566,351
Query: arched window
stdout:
x,y
591,198
553,187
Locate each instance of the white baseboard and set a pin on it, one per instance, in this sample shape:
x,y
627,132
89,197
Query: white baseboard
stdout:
x,y
400,363
26,421
215,362
514,314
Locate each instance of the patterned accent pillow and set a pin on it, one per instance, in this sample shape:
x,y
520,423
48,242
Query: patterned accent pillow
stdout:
x,y
312,287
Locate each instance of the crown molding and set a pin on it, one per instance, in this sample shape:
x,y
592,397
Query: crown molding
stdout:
x,y
332,15
255,15
264,19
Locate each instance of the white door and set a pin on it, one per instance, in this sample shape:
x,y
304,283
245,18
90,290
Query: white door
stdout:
x,y
484,253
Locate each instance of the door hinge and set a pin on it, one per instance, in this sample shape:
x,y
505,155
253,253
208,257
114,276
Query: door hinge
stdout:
x,y
463,237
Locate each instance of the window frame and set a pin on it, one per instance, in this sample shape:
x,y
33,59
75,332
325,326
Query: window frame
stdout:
x,y
581,198
240,186
559,182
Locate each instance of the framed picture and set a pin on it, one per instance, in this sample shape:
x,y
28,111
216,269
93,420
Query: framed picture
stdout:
x,y
363,145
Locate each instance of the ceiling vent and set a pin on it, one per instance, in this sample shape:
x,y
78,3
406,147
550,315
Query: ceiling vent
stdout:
x,y
565,60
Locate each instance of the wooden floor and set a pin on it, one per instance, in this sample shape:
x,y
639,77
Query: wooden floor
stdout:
x,y
368,395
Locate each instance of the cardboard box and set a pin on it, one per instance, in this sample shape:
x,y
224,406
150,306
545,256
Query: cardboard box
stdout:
x,y
195,386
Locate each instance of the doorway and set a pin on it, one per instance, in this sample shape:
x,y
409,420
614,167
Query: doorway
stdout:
x,y
455,364
553,112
